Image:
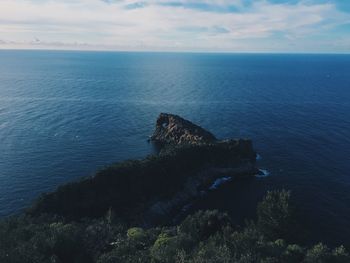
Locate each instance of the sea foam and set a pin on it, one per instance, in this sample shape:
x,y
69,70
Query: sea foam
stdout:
x,y
219,182
262,173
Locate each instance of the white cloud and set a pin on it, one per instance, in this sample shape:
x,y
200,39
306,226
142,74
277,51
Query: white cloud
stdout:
x,y
102,24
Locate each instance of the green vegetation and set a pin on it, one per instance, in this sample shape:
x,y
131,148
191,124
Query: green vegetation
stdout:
x,y
206,236
102,219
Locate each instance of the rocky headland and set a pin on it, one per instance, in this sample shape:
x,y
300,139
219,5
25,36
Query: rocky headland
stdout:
x,y
136,211
153,190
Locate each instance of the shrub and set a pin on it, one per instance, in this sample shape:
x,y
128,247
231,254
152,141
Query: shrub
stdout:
x,y
293,253
318,254
212,251
203,224
136,234
164,249
125,254
275,218
340,255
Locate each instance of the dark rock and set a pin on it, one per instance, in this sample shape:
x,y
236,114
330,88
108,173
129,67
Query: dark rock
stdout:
x,y
166,210
154,190
172,129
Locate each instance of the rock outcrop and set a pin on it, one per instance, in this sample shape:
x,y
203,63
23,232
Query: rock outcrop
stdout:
x,y
154,190
173,129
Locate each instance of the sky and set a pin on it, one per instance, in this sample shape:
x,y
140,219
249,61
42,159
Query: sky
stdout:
x,y
306,26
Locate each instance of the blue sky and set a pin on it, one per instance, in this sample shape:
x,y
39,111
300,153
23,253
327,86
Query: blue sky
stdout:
x,y
177,25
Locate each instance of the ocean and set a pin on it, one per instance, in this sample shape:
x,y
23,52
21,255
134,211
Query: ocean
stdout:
x,y
66,114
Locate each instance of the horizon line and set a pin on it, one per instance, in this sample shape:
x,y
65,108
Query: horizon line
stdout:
x,y
179,51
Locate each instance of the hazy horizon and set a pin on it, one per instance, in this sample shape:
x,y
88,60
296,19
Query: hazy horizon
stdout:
x,y
220,26
180,52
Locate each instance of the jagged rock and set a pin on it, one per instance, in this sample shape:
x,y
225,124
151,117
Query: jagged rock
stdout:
x,y
173,129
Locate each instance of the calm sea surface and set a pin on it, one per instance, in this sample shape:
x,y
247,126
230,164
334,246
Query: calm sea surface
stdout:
x,y
63,115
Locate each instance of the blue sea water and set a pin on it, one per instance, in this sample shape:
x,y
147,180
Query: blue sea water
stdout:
x,y
63,115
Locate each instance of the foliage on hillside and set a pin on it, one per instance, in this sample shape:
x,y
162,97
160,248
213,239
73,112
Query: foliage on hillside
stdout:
x,y
205,237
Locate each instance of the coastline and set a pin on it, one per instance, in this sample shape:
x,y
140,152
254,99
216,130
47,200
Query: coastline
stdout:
x,y
130,211
154,189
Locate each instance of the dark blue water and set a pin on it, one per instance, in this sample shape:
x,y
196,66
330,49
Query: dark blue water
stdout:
x,y
64,115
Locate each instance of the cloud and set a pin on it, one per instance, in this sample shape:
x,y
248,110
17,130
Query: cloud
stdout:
x,y
203,6
135,5
221,25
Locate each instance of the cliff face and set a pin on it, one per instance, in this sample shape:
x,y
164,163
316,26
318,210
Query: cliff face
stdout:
x,y
176,130
151,191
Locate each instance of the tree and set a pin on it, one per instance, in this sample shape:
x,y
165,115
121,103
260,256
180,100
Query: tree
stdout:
x,y
275,215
